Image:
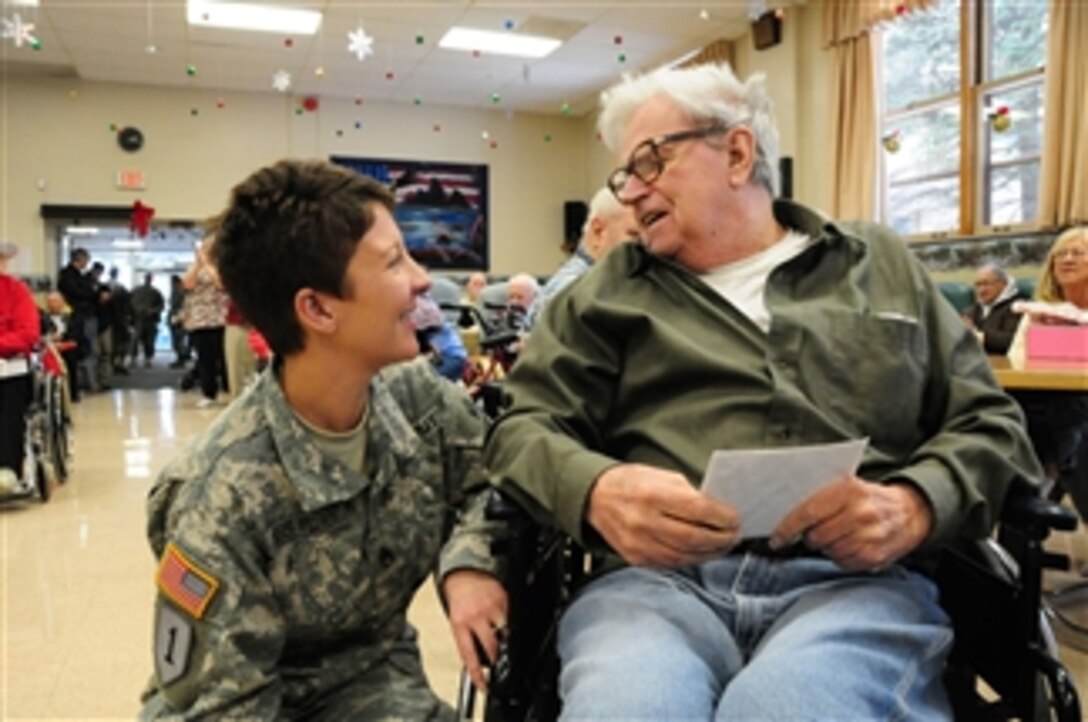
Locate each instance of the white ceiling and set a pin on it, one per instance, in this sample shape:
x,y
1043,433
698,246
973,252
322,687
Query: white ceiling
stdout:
x,y
106,40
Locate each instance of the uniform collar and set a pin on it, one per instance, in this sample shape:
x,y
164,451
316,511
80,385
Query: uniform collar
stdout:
x,y
321,480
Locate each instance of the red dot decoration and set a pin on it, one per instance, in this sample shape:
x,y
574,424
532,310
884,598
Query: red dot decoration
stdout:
x,y
389,75
288,43
618,40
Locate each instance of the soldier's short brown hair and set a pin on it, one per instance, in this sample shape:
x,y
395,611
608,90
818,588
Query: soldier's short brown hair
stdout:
x,y
290,226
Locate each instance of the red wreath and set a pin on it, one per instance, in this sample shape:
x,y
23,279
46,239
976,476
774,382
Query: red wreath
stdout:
x,y
141,219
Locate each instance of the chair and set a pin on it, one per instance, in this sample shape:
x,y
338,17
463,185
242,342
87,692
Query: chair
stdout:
x,y
990,589
492,303
447,294
960,295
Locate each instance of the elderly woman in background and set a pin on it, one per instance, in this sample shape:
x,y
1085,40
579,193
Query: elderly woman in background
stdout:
x,y
1058,423
20,331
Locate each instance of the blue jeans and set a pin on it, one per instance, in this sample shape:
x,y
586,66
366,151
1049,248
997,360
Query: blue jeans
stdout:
x,y
755,638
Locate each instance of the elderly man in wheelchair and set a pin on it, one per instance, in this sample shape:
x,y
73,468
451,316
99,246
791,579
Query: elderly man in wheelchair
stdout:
x,y
744,322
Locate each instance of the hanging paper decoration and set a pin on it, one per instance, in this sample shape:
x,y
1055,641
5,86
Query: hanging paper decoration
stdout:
x,y
358,100
194,112
496,98
151,50
437,127
417,100
509,24
339,133
493,144
19,32
358,125
419,40
547,137
485,135
319,71
140,222
389,75
618,40
361,44
288,43
622,57
565,109
1001,119
475,53
281,80
220,103
704,14
891,141
190,70
310,103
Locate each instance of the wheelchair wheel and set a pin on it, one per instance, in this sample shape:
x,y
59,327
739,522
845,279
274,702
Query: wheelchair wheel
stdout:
x,y
41,480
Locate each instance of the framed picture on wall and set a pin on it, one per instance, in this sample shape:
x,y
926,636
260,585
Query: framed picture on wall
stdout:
x,y
442,208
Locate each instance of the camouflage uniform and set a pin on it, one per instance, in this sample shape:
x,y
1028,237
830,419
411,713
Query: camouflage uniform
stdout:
x,y
302,569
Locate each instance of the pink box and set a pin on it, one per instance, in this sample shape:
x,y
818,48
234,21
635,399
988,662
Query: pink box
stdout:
x,y
1063,343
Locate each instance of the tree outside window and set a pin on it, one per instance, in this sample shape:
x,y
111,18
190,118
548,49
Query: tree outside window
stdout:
x,y
922,74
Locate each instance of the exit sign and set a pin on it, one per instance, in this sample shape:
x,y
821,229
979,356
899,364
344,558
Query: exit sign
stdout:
x,y
131,180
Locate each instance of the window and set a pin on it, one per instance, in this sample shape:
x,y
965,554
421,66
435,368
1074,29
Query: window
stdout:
x,y
931,187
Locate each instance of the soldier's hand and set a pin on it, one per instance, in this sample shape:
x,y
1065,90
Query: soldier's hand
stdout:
x,y
656,518
859,525
478,607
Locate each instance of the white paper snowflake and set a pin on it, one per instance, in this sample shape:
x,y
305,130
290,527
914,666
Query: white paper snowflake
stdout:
x,y
281,81
360,43
18,31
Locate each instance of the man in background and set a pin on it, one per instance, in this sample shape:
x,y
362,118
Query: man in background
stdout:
x,y
81,294
179,340
147,306
609,224
991,316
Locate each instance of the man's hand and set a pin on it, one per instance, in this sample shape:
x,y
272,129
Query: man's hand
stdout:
x,y
859,525
656,518
477,606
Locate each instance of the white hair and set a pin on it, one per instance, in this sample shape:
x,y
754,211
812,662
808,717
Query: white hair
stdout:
x,y
704,93
604,205
525,280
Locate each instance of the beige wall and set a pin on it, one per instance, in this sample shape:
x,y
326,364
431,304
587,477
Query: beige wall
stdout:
x,y
191,162
49,138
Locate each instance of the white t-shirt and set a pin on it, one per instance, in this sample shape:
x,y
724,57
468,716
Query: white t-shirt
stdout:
x,y
742,282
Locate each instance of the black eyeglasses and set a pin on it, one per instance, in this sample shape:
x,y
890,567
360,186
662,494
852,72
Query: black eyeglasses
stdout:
x,y
646,162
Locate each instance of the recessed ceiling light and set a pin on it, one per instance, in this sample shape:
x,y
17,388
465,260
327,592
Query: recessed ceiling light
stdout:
x,y
23,3
505,43
263,18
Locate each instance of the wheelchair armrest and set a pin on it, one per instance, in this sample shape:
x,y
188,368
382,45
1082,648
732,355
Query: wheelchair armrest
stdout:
x,y
1034,515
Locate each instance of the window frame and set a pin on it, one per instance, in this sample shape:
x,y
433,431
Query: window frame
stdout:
x,y
974,166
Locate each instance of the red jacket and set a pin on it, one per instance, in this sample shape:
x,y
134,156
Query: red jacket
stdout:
x,y
20,324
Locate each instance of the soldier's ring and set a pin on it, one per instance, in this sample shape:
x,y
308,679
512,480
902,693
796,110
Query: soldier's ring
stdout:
x,y
499,625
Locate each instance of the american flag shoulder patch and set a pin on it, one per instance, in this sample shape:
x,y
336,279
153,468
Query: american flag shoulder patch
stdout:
x,y
184,583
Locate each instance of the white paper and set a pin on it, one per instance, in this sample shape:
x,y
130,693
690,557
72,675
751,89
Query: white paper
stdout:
x,y
764,485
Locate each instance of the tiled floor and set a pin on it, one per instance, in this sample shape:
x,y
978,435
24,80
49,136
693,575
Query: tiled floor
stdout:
x,y
76,574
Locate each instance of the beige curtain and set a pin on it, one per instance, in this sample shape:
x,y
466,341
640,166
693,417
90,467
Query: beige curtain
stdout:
x,y
1064,198
847,25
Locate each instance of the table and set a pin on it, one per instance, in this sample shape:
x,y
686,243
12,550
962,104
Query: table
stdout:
x,y
1040,374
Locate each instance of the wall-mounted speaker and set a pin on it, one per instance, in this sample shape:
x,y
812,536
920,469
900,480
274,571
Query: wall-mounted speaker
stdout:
x,y
574,217
785,177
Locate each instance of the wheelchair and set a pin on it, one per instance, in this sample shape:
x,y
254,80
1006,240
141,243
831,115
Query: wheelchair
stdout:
x,y
45,443
990,589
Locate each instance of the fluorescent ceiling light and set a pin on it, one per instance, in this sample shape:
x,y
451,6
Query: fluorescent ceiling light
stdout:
x,y
81,231
242,16
24,3
131,243
487,41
